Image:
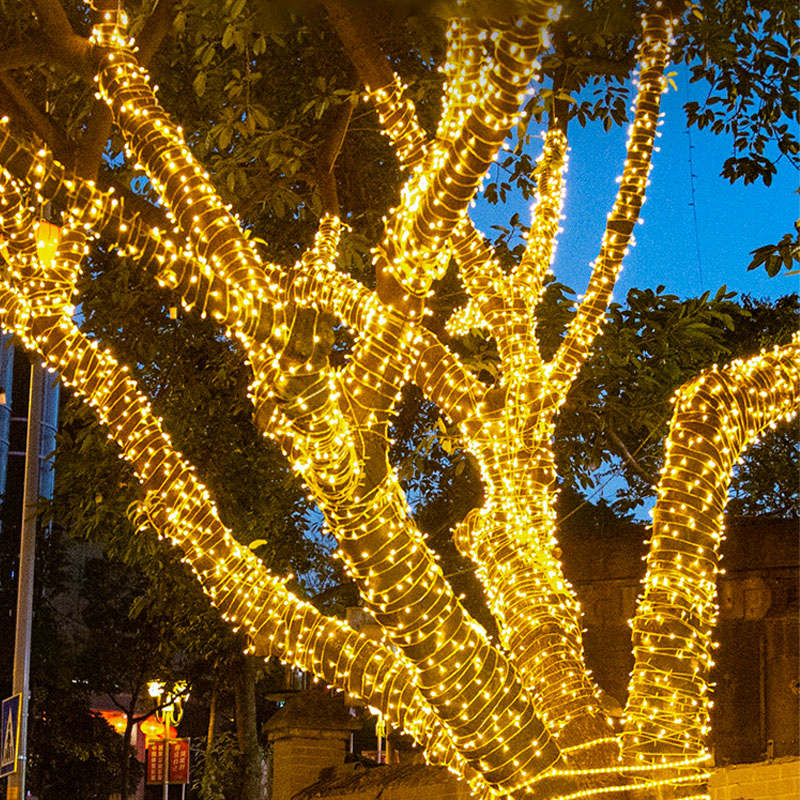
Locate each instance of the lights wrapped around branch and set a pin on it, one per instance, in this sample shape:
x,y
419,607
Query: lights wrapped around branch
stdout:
x,y
466,701
715,417
398,120
436,196
184,187
179,508
528,277
653,55
465,69
512,538
402,585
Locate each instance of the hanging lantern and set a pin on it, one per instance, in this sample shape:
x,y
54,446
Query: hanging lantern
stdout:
x,y
154,729
116,719
47,236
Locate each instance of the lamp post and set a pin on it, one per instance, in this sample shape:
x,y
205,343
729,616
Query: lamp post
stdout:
x,y
170,713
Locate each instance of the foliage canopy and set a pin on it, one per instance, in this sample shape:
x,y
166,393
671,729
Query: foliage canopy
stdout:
x,y
331,290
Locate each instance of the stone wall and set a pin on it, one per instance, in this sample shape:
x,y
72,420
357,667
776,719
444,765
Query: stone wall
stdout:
x,y
776,780
756,714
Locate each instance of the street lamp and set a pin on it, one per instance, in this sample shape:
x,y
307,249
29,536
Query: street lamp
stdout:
x,y
168,713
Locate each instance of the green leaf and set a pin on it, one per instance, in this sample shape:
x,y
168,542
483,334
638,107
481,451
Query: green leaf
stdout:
x,y
199,83
227,37
260,117
236,8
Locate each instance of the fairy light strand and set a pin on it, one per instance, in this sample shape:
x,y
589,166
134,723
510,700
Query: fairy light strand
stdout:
x,y
511,721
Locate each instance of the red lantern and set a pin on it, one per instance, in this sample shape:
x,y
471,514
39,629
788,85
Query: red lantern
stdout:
x,y
116,719
154,729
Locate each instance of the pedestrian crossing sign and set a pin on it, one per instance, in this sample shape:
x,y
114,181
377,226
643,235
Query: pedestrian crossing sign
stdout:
x,y
9,735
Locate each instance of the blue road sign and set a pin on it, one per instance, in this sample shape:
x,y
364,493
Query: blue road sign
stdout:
x,y
9,735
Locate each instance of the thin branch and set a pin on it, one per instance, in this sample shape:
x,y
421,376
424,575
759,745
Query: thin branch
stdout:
x,y
528,277
113,699
629,457
40,122
585,325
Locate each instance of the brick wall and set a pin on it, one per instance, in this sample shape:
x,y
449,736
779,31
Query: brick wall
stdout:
x,y
297,761
776,780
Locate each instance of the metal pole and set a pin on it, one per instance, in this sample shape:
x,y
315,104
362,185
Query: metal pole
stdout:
x,y
27,553
167,716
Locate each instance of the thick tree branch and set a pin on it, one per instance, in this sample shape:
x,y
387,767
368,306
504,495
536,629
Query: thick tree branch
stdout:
x,y
35,49
358,38
71,49
185,188
630,459
142,230
155,28
177,506
465,72
716,416
338,121
396,113
433,204
484,280
89,153
52,16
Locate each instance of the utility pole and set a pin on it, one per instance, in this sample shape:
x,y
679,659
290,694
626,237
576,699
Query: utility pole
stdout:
x,y
27,554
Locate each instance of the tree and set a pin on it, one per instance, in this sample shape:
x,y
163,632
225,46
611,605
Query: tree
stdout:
x,y
144,618
520,716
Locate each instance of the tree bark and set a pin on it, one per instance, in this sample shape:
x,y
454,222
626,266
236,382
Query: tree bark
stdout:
x,y
251,759
212,717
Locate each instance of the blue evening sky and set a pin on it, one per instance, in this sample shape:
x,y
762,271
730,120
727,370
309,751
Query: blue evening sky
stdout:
x,y
732,220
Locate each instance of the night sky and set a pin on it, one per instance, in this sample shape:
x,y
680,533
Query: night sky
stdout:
x,y
732,220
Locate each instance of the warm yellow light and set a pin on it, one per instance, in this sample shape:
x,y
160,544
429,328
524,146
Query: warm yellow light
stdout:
x,y
521,717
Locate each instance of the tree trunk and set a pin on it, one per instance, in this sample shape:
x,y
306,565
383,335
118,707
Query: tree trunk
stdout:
x,y
251,760
212,717
126,750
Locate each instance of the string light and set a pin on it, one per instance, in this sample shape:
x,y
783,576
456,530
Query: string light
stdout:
x,y
513,721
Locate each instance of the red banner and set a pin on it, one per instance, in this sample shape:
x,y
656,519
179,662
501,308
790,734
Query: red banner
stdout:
x,y
178,761
155,761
